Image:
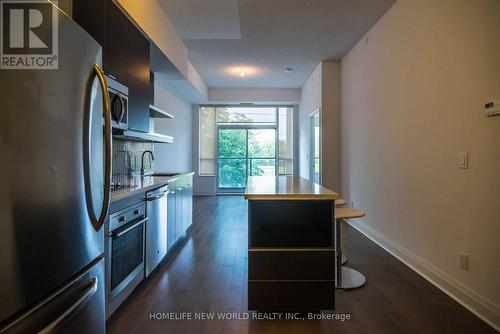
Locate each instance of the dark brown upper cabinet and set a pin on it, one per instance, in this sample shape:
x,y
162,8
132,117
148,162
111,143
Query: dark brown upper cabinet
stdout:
x,y
125,53
90,15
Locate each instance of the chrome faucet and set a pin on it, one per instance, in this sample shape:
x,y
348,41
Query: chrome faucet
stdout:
x,y
143,170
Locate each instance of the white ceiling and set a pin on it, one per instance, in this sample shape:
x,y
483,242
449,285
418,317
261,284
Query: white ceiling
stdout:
x,y
204,19
263,37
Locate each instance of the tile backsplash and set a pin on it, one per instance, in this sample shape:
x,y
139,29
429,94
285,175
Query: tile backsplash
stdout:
x,y
127,159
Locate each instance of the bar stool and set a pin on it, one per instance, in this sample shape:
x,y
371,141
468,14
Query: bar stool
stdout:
x,y
340,202
346,278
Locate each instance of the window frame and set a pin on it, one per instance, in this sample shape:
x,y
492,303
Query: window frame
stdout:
x,y
269,125
199,143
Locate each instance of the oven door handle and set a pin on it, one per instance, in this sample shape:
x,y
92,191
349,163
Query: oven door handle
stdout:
x,y
119,234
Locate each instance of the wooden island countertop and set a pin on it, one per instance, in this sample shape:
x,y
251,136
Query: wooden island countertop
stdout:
x,y
286,188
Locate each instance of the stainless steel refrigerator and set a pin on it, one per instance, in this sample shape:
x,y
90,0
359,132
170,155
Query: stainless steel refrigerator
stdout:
x,y
55,168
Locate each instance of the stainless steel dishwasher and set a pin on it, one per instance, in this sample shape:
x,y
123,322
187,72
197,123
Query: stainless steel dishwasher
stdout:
x,y
156,227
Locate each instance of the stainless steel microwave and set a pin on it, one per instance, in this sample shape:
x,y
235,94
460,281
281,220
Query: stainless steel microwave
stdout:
x,y
118,99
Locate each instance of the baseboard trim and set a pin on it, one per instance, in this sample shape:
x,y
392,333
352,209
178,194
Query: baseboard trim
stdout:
x,y
471,300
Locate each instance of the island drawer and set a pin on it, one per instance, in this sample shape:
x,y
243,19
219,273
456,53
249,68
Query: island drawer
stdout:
x,y
291,224
291,296
291,264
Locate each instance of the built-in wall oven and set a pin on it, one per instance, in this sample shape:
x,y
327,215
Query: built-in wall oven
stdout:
x,y
118,99
125,241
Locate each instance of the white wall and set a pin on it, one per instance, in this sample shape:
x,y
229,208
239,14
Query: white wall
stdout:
x,y
174,157
322,90
412,98
330,123
310,101
254,95
195,79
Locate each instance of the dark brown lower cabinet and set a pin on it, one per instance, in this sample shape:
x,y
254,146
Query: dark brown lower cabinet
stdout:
x,y
291,256
286,296
295,265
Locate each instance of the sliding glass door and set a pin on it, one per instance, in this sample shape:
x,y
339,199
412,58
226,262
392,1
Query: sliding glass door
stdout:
x,y
261,152
243,151
233,150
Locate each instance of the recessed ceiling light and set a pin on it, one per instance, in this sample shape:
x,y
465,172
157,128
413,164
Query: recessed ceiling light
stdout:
x,y
288,69
243,71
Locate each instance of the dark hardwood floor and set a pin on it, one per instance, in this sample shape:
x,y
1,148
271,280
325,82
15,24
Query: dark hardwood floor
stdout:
x,y
209,275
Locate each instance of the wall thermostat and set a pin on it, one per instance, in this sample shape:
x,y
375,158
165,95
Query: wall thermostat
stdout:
x,y
492,108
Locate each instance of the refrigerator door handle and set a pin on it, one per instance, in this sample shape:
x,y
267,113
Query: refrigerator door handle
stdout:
x,y
35,320
90,290
98,220
108,147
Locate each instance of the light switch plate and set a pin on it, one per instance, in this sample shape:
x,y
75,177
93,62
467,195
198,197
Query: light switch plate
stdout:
x,y
463,160
463,261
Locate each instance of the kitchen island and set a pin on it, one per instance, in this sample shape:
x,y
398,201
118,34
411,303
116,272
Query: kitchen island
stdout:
x,y
291,254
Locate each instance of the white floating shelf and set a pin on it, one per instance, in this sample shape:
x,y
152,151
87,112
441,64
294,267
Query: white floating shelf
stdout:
x,y
143,136
155,112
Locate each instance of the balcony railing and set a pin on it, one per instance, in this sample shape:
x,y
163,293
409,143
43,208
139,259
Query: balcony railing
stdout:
x,y
233,172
